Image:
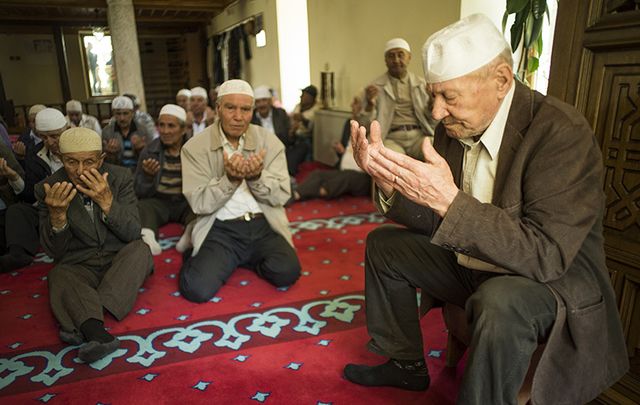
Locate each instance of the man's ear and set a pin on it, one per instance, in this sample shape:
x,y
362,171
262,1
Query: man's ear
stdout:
x,y
503,75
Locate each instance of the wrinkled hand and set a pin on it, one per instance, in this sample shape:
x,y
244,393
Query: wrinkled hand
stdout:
x,y
363,148
58,197
254,165
234,166
429,183
7,171
112,146
371,92
150,166
19,149
97,188
138,142
338,147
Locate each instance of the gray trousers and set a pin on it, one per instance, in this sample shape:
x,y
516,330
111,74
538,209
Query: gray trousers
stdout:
x,y
407,142
78,292
508,315
155,212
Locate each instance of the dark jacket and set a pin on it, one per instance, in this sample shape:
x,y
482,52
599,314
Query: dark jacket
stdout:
x,y
544,223
36,169
85,238
146,186
6,191
281,124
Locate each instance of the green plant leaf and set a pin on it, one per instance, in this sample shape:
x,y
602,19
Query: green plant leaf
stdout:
x,y
505,16
539,45
538,8
528,30
536,30
517,28
514,6
533,65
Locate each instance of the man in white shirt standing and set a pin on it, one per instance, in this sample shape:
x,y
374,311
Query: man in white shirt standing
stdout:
x,y
235,179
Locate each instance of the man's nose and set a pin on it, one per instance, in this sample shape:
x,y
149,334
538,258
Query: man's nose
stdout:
x,y
439,111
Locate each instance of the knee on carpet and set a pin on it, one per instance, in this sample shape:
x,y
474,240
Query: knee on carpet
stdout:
x,y
196,292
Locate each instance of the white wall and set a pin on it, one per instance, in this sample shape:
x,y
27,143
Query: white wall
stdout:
x,y
350,36
494,9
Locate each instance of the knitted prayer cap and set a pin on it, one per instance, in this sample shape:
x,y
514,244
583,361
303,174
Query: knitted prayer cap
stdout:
x,y
80,140
235,86
175,110
397,43
74,106
50,119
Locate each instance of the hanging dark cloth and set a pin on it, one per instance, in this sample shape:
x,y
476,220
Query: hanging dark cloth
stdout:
x,y
234,64
245,42
217,42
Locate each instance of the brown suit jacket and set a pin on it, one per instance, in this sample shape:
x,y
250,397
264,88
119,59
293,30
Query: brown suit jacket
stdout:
x,y
544,223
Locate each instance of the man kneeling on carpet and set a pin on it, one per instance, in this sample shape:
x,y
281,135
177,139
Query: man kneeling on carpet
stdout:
x,y
89,224
236,180
158,181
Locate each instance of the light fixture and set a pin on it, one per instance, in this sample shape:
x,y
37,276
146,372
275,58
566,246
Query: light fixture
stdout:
x,y
98,33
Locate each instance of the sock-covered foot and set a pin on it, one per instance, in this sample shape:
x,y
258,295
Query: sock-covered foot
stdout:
x,y
94,351
185,240
149,237
406,374
15,259
99,342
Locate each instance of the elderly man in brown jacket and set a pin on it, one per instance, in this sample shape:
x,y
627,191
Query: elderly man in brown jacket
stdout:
x,y
504,219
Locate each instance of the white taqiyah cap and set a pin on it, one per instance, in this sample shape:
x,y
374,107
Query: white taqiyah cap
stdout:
x,y
50,119
461,48
80,140
36,108
235,86
122,103
184,92
199,92
74,106
397,43
175,110
262,92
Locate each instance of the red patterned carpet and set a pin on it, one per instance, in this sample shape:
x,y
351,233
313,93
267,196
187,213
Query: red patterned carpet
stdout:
x,y
250,344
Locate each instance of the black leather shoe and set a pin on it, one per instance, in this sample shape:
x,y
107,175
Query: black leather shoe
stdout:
x,y
388,374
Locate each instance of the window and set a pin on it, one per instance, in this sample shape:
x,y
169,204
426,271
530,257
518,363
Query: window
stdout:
x,y
100,70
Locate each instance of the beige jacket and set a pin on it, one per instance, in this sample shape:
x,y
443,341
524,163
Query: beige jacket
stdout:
x,y
207,188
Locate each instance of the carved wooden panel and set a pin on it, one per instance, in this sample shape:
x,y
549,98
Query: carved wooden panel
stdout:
x,y
596,67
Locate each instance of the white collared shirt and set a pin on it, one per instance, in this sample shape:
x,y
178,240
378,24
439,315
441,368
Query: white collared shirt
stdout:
x,y
198,127
242,201
479,168
267,122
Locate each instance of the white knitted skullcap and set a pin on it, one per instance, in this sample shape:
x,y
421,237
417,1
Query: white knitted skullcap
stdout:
x,y
122,103
261,92
175,110
36,108
80,140
74,106
461,48
199,92
50,119
184,92
235,86
397,43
